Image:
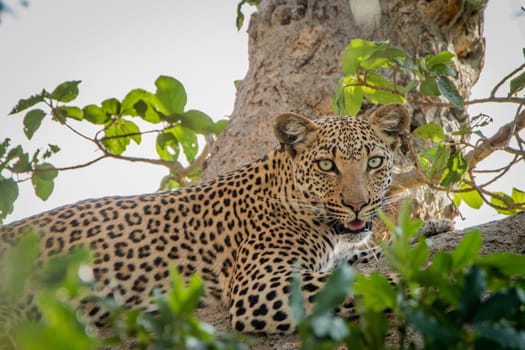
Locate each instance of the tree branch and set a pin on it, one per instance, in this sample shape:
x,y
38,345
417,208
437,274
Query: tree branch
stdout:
x,y
415,178
498,140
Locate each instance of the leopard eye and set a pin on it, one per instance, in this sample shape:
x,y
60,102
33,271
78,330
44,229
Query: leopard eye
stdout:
x,y
375,162
326,165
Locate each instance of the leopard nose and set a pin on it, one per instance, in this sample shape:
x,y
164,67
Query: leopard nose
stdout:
x,y
356,206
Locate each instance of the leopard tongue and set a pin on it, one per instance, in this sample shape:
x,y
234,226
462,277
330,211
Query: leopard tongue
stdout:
x,y
356,225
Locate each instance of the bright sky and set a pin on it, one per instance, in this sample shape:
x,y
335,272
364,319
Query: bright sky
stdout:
x,y
115,46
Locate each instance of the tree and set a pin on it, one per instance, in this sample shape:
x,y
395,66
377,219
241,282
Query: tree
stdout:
x,y
295,48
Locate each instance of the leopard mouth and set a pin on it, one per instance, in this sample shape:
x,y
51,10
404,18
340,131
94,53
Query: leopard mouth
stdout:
x,y
354,227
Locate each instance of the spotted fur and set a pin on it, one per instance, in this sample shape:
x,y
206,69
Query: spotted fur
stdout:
x,y
308,204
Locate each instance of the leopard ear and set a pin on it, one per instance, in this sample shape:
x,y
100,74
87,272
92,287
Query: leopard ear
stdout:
x,y
294,130
390,123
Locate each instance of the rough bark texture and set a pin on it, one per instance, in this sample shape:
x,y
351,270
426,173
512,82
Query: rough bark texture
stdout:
x,y
294,65
506,235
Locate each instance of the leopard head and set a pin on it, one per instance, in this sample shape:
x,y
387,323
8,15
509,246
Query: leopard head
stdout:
x,y
342,166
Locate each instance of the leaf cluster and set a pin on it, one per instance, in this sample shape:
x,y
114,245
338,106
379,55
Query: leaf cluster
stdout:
x,y
365,63
442,162
456,300
61,282
119,123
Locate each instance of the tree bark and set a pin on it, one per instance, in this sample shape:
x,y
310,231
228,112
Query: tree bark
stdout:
x,y
294,65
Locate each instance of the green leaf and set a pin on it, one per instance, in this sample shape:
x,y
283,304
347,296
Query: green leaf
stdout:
x,y
456,167
501,203
297,307
66,92
444,57
473,288
43,180
111,106
187,139
61,331
334,291
3,148
95,114
357,51
441,160
430,131
8,196
409,86
467,250
429,87
378,95
220,125
43,188
383,57
430,327
499,305
23,164
448,89
171,95
19,264
326,325
131,129
517,84
198,121
518,196
472,198
167,147
46,171
352,100
118,135
376,291
72,112
24,104
139,102
375,327
503,335
509,264
443,69
32,121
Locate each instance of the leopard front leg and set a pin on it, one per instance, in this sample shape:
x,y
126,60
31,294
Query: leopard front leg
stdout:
x,y
259,296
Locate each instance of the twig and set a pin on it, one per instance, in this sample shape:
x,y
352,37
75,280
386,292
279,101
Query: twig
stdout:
x,y
502,81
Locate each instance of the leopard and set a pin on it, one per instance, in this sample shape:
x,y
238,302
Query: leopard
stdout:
x,y
299,211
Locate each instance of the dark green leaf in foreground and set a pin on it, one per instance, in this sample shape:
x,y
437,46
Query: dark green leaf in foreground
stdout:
x,y
467,250
334,291
500,304
501,334
509,264
19,263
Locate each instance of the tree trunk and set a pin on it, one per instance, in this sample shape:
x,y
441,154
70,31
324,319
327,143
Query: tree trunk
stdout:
x,y
294,65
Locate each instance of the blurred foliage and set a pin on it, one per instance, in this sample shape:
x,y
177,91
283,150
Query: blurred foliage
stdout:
x,y
456,300
62,281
